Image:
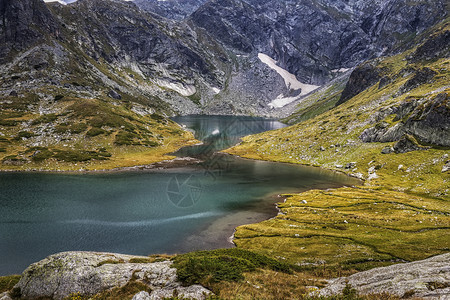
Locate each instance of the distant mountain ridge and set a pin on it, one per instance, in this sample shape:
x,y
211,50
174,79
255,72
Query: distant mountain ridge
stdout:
x,y
212,56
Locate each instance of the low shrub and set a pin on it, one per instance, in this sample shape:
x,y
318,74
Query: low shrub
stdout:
x,y
45,119
207,267
24,134
8,282
94,131
125,138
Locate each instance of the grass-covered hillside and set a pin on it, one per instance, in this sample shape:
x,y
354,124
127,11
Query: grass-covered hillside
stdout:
x,y
73,133
390,126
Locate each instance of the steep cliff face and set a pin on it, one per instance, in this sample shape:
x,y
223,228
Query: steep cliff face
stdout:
x,y
120,33
96,72
312,38
23,23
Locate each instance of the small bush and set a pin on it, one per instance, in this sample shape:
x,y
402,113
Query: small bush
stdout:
x,y
8,122
72,155
24,134
110,262
62,128
78,128
8,282
45,119
103,153
150,143
125,138
94,131
41,156
143,260
207,267
157,117
40,153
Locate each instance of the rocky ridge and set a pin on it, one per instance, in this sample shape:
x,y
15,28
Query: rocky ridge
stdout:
x,y
209,62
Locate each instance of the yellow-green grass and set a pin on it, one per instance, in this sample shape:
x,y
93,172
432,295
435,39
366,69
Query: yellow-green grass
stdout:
x,y
351,228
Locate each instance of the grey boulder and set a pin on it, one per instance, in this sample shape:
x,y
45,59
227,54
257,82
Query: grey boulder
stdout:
x,y
428,279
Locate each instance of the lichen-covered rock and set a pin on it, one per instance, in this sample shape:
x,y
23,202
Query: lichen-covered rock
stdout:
x,y
5,296
141,296
407,144
446,167
387,150
115,95
429,278
89,273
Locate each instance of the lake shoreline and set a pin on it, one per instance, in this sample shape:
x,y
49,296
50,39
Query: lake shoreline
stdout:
x,y
206,163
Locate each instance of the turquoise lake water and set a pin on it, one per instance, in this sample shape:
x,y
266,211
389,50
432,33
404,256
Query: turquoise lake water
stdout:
x,y
145,212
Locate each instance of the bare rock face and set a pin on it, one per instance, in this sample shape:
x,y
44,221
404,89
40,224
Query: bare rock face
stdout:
x,y
172,9
437,46
428,120
361,78
429,278
407,144
89,273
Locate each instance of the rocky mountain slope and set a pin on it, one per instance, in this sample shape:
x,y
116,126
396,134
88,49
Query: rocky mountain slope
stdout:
x,y
172,9
88,74
209,63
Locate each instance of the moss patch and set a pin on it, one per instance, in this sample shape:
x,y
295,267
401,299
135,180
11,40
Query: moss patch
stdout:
x,y
8,282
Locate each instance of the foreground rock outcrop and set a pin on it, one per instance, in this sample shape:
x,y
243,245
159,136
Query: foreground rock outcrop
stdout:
x,y
89,273
429,279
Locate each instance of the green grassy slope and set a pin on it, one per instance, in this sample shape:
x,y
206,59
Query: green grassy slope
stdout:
x,y
402,211
82,133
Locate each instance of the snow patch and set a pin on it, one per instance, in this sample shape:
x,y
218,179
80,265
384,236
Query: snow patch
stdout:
x,y
341,70
281,101
183,90
216,90
289,79
59,1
